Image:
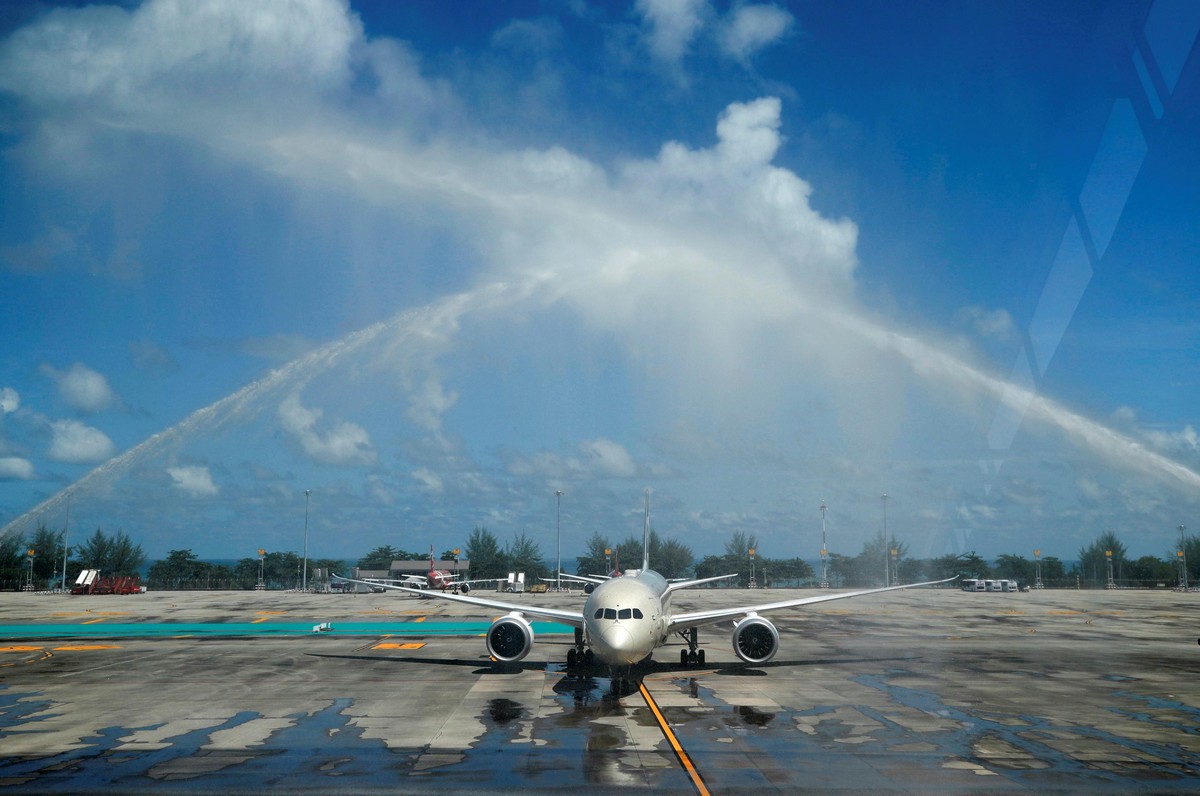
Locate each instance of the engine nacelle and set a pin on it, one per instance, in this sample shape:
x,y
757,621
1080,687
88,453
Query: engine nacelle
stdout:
x,y
510,638
589,588
755,640
465,588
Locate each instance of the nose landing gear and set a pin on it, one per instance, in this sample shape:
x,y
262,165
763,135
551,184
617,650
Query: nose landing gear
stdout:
x,y
692,656
579,655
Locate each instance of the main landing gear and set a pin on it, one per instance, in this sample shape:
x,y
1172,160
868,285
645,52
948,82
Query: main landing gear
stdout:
x,y
692,656
579,655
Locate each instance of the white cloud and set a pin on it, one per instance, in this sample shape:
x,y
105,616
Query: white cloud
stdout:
x,y
74,443
428,402
673,24
10,401
194,480
996,324
13,468
608,459
81,387
176,48
598,458
428,480
1185,439
344,444
749,29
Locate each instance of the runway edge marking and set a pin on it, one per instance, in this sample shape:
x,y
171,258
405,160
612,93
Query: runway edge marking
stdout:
x,y
685,759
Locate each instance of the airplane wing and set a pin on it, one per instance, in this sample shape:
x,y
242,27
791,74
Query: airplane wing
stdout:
x,y
572,618
683,583
696,618
578,578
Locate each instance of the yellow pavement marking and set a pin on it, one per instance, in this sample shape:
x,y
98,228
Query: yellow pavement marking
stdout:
x,y
684,759
94,621
87,647
21,648
410,645
419,619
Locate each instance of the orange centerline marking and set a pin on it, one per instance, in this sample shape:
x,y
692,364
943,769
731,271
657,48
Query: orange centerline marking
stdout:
x,y
87,647
684,759
94,621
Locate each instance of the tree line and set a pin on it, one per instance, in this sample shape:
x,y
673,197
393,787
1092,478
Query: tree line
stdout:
x,y
118,554
38,558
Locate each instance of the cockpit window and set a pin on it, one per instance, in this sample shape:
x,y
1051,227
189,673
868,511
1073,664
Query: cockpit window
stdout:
x,y
637,613
599,613
625,613
610,613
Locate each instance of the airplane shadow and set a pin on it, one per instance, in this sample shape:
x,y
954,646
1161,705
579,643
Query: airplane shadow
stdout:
x,y
723,669
481,666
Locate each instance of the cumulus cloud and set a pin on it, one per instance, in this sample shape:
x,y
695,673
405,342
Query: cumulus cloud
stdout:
x,y
344,444
14,468
72,442
81,387
10,401
749,29
193,480
671,25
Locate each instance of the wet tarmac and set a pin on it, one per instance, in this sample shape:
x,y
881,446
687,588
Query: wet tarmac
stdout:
x,y
923,692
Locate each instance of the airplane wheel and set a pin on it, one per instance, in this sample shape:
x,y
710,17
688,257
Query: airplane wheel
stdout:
x,y
572,658
691,659
700,657
588,657
683,657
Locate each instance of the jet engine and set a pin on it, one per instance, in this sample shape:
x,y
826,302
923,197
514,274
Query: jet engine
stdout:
x,y
465,588
510,638
755,640
589,588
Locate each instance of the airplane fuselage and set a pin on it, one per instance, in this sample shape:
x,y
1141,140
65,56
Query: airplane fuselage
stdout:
x,y
625,618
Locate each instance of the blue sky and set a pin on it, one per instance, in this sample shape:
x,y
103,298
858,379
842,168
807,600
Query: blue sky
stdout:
x,y
436,261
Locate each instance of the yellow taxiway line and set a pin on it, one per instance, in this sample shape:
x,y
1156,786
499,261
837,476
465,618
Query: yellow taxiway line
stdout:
x,y
684,758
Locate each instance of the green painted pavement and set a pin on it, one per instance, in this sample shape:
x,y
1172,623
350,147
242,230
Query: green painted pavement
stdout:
x,y
269,628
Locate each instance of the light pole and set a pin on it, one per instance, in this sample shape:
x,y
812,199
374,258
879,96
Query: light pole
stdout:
x,y
66,547
824,552
261,584
886,577
1183,583
1037,563
558,524
304,579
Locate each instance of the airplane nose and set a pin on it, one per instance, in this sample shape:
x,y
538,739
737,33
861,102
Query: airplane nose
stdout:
x,y
616,646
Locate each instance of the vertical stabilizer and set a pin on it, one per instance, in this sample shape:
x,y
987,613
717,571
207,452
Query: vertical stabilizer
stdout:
x,y
646,535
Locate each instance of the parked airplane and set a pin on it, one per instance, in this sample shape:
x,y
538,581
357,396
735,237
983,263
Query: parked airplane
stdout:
x,y
626,618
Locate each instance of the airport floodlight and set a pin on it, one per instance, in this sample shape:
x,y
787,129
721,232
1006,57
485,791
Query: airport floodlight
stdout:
x,y
304,577
824,551
1183,581
886,567
558,546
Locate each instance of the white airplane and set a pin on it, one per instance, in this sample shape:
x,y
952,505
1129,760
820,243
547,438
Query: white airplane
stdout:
x,y
625,618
